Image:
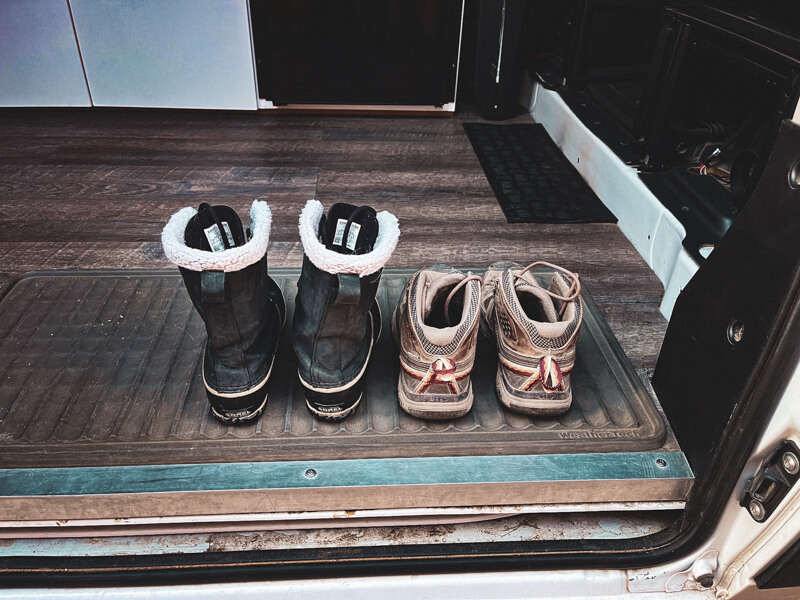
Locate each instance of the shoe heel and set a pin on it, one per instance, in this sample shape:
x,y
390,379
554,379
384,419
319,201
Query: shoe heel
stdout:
x,y
237,410
420,406
334,406
531,404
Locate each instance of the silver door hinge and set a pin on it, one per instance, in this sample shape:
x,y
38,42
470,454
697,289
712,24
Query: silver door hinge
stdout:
x,y
773,480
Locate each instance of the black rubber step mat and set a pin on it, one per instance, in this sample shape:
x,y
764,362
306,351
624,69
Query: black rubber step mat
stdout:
x,y
104,368
531,179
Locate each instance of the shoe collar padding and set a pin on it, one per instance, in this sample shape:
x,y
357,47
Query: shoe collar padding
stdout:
x,y
230,260
427,284
555,326
336,263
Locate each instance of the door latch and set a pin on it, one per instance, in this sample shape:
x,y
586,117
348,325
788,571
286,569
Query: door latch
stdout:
x,y
773,480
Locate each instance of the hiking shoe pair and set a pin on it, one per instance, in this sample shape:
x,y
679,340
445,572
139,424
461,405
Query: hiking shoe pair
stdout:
x,y
435,327
336,319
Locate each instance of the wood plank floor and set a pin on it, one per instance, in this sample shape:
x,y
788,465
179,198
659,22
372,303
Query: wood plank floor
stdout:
x,y
93,188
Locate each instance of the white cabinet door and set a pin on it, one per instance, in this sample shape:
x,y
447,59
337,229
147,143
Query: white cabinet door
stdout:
x,y
167,53
39,60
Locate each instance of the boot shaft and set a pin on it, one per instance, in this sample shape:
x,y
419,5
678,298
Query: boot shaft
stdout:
x,y
332,328
242,318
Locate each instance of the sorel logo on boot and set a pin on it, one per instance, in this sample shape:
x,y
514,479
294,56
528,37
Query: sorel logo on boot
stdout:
x,y
235,415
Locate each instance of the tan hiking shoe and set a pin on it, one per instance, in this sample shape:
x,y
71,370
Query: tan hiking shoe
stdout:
x,y
536,329
435,327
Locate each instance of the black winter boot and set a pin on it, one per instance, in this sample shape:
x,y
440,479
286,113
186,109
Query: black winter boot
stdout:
x,y
336,319
225,272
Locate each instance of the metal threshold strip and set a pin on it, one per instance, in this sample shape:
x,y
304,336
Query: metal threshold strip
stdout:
x,y
319,520
179,493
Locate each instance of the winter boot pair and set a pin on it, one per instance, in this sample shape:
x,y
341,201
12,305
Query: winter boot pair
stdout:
x,y
336,320
536,327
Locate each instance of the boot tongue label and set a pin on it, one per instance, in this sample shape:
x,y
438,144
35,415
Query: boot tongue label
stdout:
x,y
337,237
214,238
353,236
228,233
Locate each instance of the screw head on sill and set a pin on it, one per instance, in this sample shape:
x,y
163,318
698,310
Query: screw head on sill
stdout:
x,y
790,463
756,510
794,174
706,581
735,332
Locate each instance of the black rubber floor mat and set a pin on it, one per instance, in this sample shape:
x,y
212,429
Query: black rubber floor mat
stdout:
x,y
531,179
104,368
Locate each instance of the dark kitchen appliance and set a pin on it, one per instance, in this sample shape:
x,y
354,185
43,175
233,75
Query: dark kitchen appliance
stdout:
x,y
357,52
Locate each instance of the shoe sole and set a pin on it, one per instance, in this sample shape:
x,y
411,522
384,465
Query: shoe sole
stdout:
x,y
535,407
438,411
348,408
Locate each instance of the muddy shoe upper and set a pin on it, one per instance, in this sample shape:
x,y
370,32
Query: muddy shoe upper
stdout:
x,y
435,327
536,327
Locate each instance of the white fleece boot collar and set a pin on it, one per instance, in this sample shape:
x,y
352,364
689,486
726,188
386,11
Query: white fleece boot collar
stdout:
x,y
232,259
335,263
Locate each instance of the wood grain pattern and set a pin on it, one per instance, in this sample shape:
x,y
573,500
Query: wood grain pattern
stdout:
x,y
93,188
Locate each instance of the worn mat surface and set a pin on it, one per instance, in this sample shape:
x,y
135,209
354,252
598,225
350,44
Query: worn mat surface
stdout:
x,y
531,179
104,368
